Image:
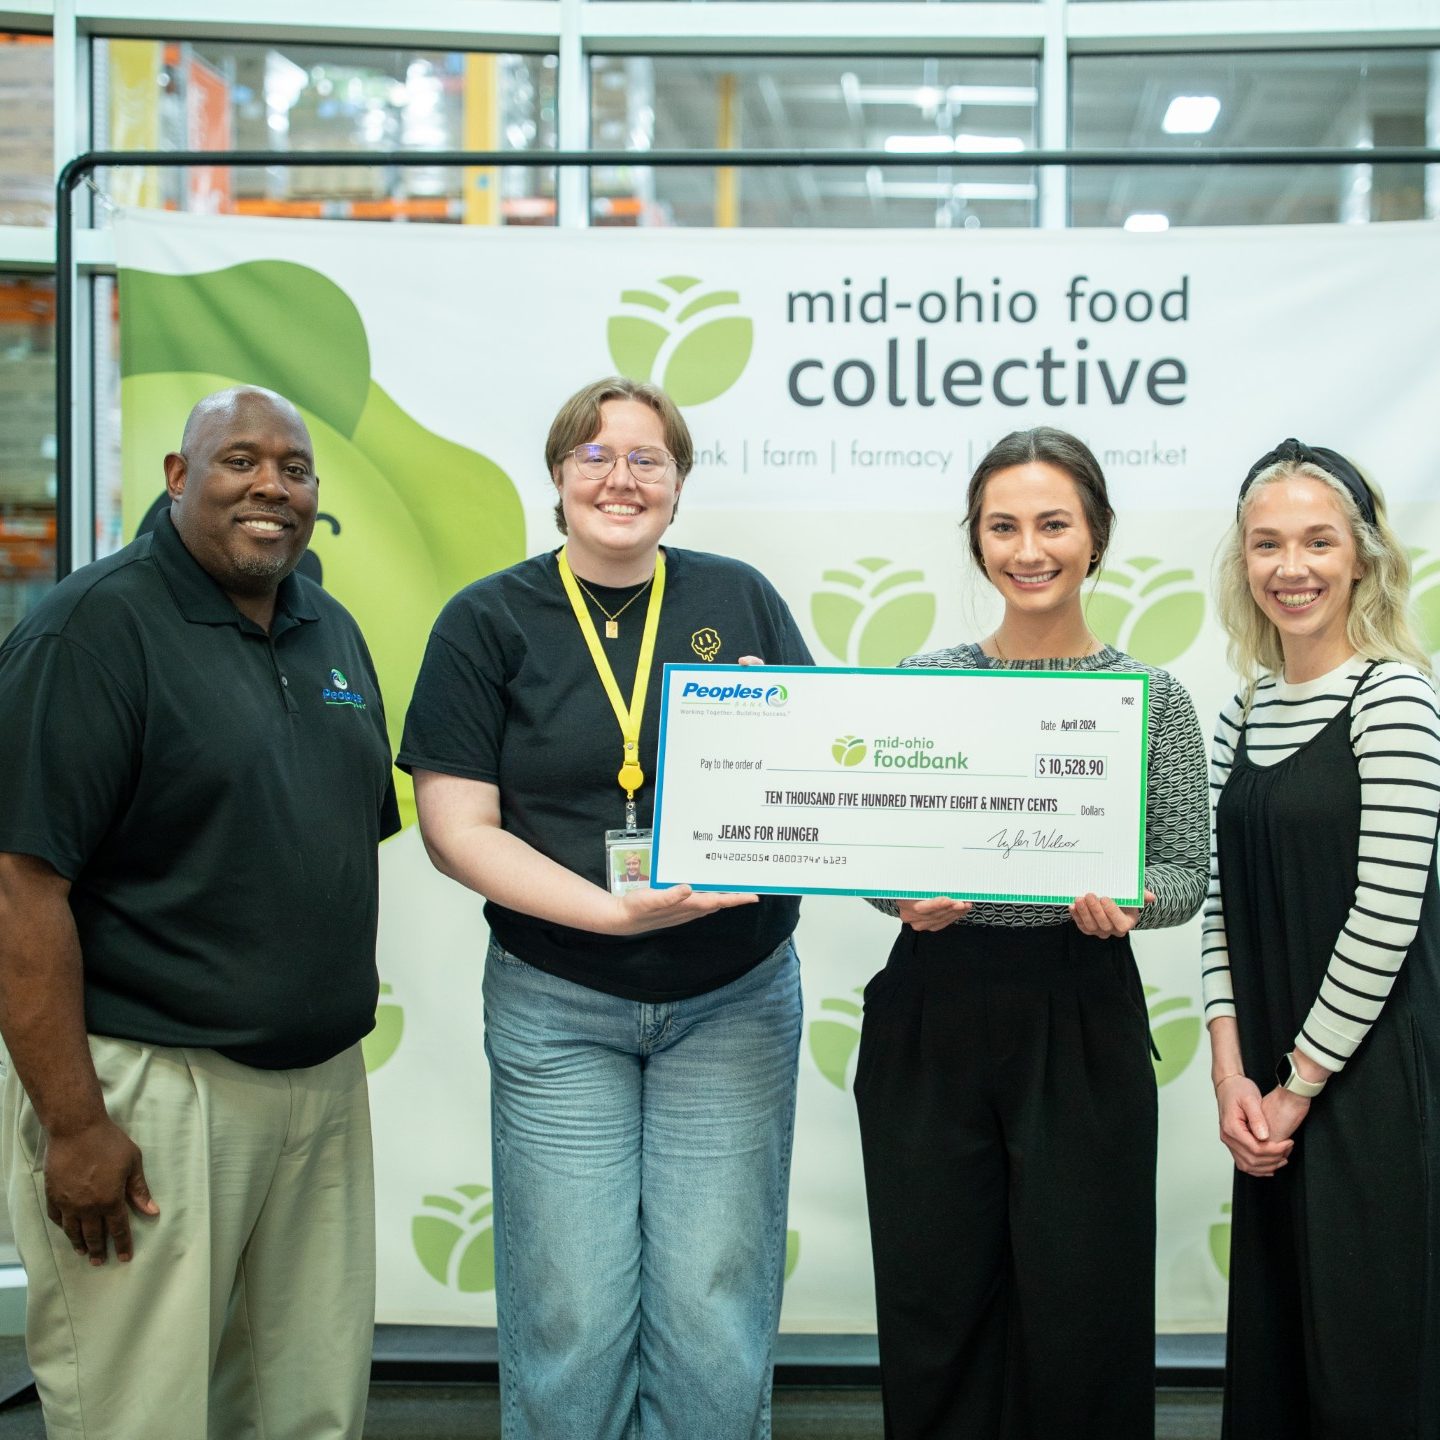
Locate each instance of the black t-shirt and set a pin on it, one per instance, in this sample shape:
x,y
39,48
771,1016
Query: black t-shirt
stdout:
x,y
508,694
215,796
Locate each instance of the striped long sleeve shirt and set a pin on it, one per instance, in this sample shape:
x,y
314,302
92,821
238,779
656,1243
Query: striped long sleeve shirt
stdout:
x,y
1395,734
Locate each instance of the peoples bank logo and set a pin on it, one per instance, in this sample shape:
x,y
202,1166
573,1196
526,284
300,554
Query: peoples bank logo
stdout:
x,y
689,340
774,696
338,692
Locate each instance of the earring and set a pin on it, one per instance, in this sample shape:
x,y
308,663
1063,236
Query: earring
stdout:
x,y
1094,557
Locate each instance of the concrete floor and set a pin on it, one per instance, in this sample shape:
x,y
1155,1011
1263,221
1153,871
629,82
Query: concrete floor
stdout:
x,y
472,1412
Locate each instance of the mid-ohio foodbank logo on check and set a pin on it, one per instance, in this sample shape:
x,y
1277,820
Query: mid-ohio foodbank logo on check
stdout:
x,y
895,752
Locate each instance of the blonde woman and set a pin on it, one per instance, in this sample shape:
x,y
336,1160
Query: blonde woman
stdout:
x,y
1322,965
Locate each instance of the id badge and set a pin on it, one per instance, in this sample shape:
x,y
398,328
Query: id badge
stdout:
x,y
627,860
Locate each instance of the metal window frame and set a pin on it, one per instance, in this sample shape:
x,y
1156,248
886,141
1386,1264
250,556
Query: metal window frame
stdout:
x,y
1051,31
72,351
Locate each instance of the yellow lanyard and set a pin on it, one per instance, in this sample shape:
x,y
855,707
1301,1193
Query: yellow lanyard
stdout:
x,y
631,776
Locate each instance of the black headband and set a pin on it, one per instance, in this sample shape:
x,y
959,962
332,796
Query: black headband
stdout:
x,y
1330,461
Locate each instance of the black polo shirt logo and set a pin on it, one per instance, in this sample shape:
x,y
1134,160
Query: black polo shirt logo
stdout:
x,y
338,692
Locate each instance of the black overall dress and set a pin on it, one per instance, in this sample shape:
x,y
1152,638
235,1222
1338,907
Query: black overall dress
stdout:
x,y
1334,1327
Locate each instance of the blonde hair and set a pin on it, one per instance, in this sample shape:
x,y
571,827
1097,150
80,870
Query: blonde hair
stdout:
x,y
1377,625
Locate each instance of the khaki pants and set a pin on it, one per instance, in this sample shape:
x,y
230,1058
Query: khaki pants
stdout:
x,y
247,1312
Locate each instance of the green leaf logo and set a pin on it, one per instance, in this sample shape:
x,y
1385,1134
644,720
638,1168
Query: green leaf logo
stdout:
x,y
1177,1037
692,344
873,615
792,1252
833,1043
453,1239
1220,1243
411,516
848,750
383,1041
1146,610
1425,598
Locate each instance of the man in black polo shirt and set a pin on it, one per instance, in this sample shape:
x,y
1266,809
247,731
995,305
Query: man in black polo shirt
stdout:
x,y
194,778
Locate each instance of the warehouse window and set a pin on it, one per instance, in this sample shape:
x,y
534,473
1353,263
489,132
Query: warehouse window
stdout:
x,y
27,145
203,95
27,444
1327,98
902,104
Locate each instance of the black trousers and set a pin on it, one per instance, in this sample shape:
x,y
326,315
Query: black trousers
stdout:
x,y
1008,1124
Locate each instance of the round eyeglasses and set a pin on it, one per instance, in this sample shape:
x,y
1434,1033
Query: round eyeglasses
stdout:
x,y
648,464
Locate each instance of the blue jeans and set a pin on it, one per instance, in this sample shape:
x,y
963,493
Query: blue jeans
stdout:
x,y
641,1169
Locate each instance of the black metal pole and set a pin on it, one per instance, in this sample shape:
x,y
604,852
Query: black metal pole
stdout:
x,y
83,165
64,368
783,159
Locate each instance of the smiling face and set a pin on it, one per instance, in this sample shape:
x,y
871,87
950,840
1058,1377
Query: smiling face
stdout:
x,y
614,525
1302,565
244,491
1035,542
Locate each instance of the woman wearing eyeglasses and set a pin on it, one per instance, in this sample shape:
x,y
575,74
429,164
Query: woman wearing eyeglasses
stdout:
x,y
1322,966
643,1043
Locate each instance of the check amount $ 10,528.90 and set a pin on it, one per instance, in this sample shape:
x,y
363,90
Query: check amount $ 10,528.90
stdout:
x,y
1069,767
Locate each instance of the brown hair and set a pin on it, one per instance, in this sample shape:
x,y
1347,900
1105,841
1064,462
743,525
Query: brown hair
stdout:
x,y
579,420
1064,452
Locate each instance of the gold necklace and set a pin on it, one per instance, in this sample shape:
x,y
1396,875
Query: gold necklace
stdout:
x,y
1094,647
612,622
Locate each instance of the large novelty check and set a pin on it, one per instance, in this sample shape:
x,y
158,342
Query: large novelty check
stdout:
x,y
1017,785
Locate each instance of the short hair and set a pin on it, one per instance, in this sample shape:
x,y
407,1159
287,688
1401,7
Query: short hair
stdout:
x,y
579,419
1377,625
1050,447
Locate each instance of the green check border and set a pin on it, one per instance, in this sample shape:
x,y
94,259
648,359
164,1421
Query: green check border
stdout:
x,y
769,673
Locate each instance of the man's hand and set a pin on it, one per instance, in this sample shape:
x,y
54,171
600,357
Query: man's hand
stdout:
x,y
92,1179
92,1167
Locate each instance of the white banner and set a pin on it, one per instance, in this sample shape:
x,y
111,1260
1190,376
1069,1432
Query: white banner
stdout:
x,y
840,386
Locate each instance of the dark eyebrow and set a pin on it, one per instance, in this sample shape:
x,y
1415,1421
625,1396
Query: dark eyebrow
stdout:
x,y
252,447
1043,515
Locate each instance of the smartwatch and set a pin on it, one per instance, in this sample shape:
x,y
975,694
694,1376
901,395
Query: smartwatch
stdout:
x,y
1287,1077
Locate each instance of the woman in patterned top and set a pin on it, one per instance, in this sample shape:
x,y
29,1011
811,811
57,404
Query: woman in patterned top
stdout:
x,y
1006,1095
1322,952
